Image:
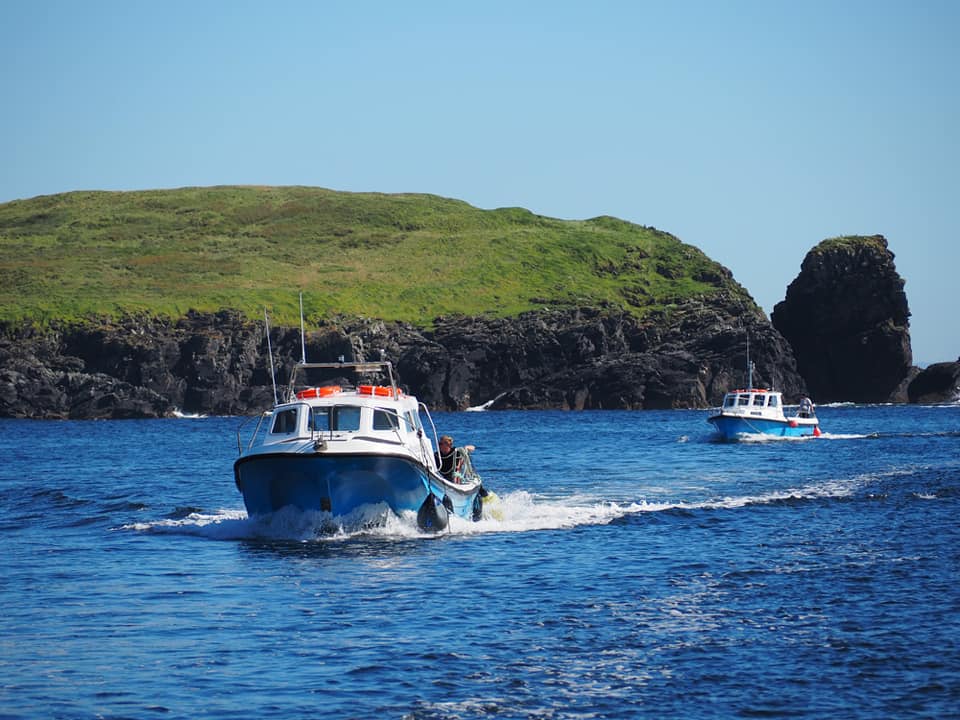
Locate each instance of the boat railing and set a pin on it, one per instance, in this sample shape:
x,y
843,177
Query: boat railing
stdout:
x,y
401,421
428,458
251,441
256,431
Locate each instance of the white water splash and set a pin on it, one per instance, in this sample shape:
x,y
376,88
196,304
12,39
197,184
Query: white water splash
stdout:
x,y
823,436
514,512
177,413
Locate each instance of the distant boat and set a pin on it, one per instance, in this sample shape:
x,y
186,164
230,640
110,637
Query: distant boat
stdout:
x,y
759,411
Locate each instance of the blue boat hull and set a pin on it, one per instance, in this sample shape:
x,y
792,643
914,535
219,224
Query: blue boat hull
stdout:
x,y
339,484
731,427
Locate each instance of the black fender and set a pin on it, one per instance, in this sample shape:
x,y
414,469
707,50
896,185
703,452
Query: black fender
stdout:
x,y
433,515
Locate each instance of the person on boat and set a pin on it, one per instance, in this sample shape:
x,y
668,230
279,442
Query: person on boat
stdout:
x,y
446,457
806,407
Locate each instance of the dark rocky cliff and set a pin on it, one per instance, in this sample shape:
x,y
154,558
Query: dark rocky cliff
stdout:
x,y
938,383
686,357
846,317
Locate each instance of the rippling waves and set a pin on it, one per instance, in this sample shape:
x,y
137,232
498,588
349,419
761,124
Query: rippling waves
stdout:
x,y
636,568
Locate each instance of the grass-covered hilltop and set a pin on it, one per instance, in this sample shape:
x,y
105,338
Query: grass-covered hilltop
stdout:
x,y
396,257
142,304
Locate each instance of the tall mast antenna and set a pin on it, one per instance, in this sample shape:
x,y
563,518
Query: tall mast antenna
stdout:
x,y
303,341
273,374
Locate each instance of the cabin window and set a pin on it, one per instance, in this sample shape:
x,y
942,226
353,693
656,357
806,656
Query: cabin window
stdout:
x,y
384,419
341,417
773,401
284,422
759,400
345,418
743,400
730,401
413,421
320,419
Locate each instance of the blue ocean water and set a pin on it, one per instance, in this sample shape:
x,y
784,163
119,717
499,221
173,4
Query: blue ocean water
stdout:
x,y
638,569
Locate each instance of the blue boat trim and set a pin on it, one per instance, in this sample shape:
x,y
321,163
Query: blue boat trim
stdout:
x,y
341,483
732,426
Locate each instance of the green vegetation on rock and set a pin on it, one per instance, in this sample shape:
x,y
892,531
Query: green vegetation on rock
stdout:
x,y
851,243
395,257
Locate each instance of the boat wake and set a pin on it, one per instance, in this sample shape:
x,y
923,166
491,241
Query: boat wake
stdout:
x,y
805,438
761,439
514,512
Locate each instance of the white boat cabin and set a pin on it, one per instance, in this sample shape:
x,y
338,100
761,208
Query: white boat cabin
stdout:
x,y
754,402
346,414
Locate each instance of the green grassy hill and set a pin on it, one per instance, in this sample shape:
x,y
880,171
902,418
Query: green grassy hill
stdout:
x,y
396,257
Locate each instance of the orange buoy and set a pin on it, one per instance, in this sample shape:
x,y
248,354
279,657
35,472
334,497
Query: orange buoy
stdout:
x,y
378,390
318,392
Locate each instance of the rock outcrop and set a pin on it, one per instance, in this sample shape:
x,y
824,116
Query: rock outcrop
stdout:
x,y
846,317
687,356
938,383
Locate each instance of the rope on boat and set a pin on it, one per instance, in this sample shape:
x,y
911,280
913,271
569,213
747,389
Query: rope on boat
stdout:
x,y
463,470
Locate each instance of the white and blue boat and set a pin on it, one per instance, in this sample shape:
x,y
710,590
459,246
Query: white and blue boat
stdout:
x,y
759,411
339,450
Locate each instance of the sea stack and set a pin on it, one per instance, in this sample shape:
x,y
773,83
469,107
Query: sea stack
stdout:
x,y
846,317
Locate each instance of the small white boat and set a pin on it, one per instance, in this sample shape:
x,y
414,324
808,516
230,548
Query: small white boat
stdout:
x,y
335,449
759,411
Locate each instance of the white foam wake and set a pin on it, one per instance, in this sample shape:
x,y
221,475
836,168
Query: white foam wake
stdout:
x,y
516,512
824,436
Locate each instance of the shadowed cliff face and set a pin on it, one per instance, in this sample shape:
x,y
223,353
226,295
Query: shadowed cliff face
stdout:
x,y
939,383
846,317
588,359
568,359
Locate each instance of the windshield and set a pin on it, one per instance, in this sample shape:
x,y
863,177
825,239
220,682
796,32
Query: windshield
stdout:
x,y
345,418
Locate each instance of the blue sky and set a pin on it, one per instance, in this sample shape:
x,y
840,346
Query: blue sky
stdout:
x,y
752,130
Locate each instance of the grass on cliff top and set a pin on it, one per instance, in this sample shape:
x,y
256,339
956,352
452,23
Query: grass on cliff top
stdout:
x,y
396,257
851,243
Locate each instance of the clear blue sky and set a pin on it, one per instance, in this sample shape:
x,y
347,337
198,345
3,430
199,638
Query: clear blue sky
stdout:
x,y
751,129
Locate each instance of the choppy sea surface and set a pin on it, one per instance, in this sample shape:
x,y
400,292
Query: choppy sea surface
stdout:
x,y
639,568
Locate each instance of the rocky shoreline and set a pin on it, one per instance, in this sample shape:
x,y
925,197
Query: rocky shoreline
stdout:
x,y
219,364
845,312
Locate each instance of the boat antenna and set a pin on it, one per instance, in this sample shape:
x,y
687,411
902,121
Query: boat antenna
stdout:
x,y
749,365
303,341
273,375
